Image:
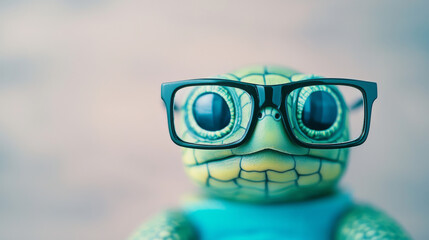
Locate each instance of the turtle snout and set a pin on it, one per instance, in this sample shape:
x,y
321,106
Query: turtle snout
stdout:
x,y
270,133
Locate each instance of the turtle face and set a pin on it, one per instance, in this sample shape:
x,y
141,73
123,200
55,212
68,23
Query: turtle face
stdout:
x,y
269,166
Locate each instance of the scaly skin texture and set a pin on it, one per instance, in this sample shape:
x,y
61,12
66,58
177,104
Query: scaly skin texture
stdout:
x,y
269,168
365,222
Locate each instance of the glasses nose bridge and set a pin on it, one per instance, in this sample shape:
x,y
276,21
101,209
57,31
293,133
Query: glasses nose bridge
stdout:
x,y
270,96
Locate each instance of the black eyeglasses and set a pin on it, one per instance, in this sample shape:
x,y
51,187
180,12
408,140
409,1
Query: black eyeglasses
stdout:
x,y
321,113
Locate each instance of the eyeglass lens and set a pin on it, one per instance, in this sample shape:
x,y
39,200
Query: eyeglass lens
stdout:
x,y
323,114
211,114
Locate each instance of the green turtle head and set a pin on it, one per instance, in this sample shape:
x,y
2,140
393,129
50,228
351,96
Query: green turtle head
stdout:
x,y
269,166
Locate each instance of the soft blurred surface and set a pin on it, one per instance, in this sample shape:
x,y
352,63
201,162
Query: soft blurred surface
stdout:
x,y
84,147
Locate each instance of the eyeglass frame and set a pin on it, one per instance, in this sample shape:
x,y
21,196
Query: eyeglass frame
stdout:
x,y
270,96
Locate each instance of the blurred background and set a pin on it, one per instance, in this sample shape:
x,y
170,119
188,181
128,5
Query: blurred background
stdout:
x,y
84,147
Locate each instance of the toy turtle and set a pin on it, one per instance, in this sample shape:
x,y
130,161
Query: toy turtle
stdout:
x,y
268,146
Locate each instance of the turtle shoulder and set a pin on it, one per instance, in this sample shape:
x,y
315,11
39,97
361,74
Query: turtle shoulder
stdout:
x,y
367,222
170,224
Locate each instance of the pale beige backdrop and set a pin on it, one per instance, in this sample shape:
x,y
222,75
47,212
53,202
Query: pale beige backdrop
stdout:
x,y
84,147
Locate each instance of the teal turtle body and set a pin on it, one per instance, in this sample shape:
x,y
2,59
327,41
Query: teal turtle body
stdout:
x,y
293,189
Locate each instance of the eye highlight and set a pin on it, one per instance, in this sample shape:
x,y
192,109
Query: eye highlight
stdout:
x,y
210,112
319,112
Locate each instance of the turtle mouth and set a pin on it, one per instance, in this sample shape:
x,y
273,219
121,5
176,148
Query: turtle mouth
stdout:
x,y
266,160
260,155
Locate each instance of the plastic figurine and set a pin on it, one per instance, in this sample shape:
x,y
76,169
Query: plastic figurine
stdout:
x,y
268,145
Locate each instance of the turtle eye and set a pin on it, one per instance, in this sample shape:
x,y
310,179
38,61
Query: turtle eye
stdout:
x,y
319,112
211,112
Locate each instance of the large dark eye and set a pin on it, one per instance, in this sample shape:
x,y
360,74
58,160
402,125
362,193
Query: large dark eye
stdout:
x,y
320,111
211,112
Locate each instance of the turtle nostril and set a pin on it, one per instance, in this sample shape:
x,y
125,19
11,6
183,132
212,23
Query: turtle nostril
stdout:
x,y
277,116
260,115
